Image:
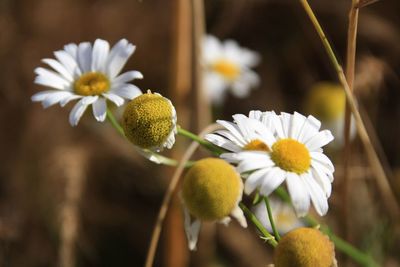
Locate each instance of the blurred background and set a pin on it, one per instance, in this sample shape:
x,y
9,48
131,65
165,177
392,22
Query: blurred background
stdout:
x,y
83,197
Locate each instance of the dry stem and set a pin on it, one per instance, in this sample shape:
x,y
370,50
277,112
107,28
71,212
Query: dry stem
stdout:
x,y
381,179
350,70
168,195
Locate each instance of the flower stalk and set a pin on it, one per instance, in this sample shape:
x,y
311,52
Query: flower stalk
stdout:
x,y
270,239
271,219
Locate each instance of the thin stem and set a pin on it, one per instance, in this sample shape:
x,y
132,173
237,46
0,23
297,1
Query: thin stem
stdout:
x,y
114,122
268,237
350,73
343,246
271,218
155,237
376,166
211,147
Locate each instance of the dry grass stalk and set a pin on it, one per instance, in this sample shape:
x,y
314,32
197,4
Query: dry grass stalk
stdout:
x,y
202,111
169,193
364,3
180,86
72,162
350,71
376,166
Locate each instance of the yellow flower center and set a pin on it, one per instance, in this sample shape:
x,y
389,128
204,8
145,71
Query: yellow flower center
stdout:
x,y
211,189
91,83
148,120
226,68
291,155
327,101
256,145
304,247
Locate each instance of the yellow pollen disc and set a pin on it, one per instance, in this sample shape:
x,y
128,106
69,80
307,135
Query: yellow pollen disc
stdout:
x,y
92,83
304,247
291,155
226,68
148,120
211,189
326,101
256,145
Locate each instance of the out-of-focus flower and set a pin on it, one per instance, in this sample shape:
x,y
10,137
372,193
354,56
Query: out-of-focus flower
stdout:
x,y
305,247
327,101
228,67
90,74
149,121
270,149
284,216
212,190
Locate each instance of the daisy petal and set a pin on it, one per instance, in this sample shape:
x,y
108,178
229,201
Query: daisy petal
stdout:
x,y
100,109
237,213
68,99
191,229
322,168
319,140
222,142
251,165
40,96
99,55
51,79
323,181
323,159
310,128
69,62
117,100
272,180
128,91
318,197
79,108
85,56
57,66
298,193
127,77
71,49
229,136
254,180
233,129
296,125
118,56
55,98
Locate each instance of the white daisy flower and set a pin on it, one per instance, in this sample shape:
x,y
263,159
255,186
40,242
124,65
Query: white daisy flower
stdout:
x,y
90,74
284,216
327,101
228,67
272,149
211,191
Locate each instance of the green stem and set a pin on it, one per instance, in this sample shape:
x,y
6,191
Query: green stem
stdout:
x,y
343,246
157,157
271,218
268,237
114,122
211,147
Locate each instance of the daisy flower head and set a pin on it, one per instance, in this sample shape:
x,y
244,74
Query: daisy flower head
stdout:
x,y
327,101
228,67
149,121
212,190
305,247
270,149
284,216
88,73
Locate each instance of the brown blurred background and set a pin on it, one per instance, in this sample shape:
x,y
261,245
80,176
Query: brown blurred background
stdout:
x,y
85,195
